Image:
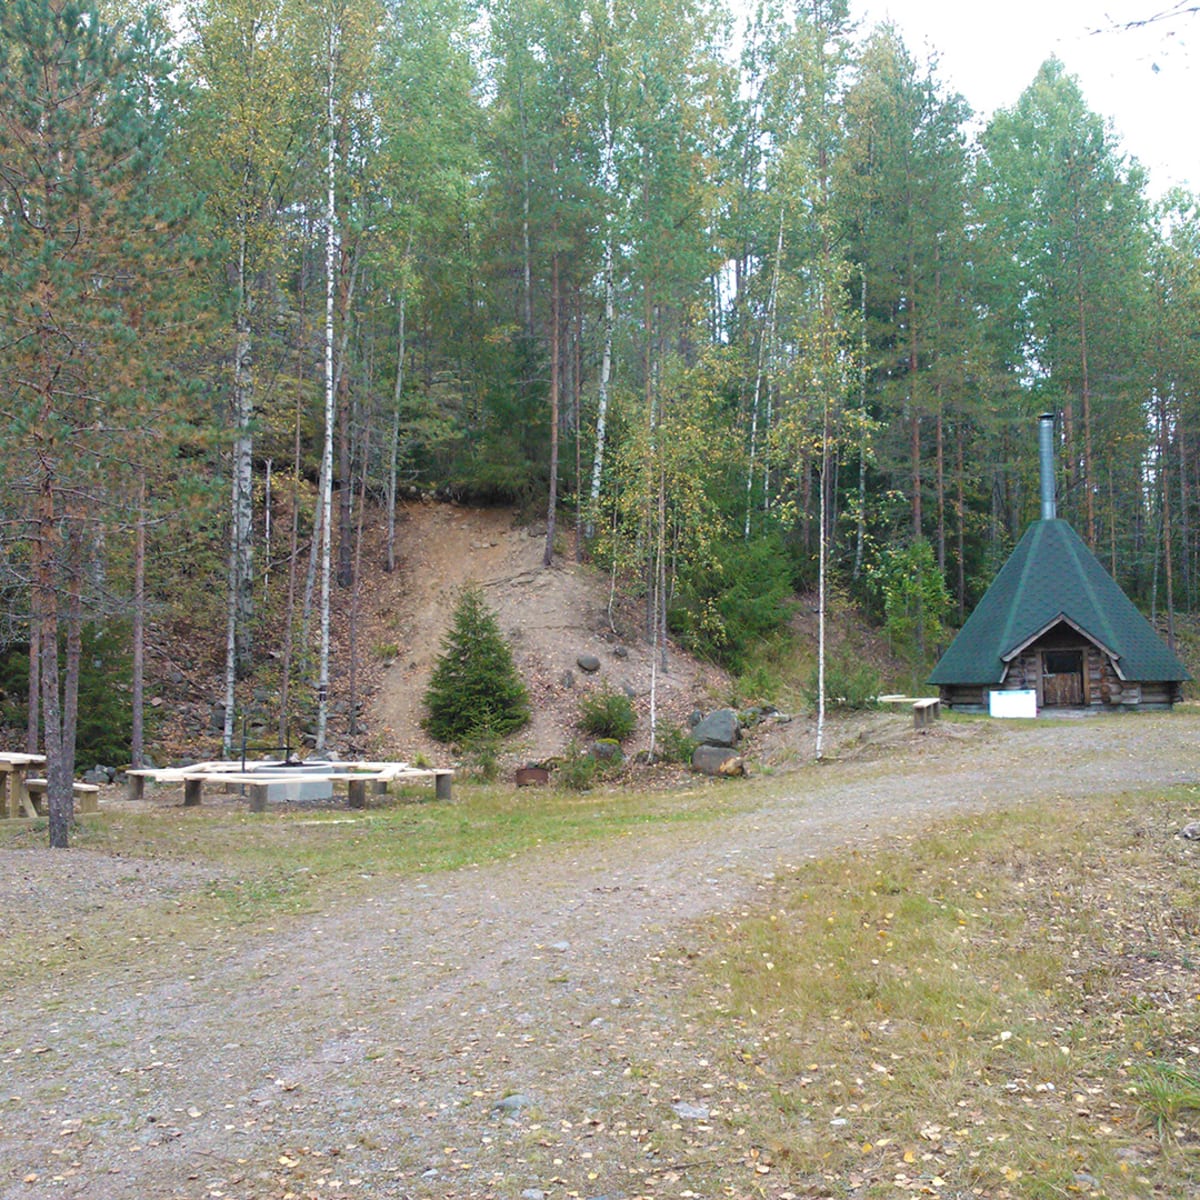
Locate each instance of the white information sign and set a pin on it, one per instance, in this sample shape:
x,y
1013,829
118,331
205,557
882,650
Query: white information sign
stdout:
x,y
1021,702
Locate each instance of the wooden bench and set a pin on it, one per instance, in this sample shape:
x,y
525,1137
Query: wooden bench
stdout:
x,y
925,712
86,796
356,777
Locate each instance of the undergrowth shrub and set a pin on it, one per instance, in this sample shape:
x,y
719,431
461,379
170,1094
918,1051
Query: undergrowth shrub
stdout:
x,y
850,684
723,612
607,714
474,686
577,769
481,753
674,745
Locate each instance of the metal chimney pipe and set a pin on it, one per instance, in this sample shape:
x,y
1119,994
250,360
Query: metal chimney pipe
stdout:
x,y
1046,464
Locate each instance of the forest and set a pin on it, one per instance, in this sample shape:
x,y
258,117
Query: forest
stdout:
x,y
731,304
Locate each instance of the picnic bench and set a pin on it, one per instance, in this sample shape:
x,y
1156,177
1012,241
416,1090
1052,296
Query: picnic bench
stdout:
x,y
86,797
14,796
257,784
23,795
925,712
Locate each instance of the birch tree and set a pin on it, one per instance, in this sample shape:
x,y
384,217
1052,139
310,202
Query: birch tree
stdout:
x,y
246,143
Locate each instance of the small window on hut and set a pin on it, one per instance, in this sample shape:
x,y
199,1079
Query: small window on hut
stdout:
x,y
1062,662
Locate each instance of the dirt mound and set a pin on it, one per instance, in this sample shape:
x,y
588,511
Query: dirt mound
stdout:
x,y
551,616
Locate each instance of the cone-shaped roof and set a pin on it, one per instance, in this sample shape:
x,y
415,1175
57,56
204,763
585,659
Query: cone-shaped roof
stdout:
x,y
1049,577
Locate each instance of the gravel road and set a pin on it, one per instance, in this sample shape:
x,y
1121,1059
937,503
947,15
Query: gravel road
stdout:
x,y
505,1031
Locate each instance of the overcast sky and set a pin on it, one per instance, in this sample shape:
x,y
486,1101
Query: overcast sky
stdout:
x,y
1147,81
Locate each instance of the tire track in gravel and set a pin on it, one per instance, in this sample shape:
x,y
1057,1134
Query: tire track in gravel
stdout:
x,y
370,1043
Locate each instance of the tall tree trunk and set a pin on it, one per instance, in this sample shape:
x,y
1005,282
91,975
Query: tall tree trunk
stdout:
x,y
397,402
555,321
137,732
355,595
240,613
940,478
1167,532
860,524
327,452
960,520
766,338
33,722
45,545
289,627
1186,564
914,433
577,409
242,536
70,688
610,319
347,281
1089,490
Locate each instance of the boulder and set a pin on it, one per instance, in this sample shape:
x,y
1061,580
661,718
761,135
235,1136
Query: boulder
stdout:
x,y
719,728
589,663
717,760
606,750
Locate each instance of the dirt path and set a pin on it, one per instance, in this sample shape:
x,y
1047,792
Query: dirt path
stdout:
x,y
509,1031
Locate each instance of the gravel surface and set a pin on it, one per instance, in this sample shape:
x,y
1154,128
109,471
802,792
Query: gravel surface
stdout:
x,y
514,1030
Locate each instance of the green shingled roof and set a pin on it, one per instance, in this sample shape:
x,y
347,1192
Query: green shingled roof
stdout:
x,y
1050,575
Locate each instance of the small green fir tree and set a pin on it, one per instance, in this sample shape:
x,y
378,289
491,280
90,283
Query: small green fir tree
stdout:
x,y
474,688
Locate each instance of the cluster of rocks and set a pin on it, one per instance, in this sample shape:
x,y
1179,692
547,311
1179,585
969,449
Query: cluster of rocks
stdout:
x,y
717,736
103,775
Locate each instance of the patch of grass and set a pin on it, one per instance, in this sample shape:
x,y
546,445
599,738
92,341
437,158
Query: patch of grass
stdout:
x,y
275,866
607,714
999,1008
1168,1092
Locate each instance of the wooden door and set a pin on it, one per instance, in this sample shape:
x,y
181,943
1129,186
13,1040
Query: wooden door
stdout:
x,y
1062,678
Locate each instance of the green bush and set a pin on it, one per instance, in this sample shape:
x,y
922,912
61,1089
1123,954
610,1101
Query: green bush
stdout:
x,y
474,687
850,684
674,745
724,612
481,754
577,770
607,714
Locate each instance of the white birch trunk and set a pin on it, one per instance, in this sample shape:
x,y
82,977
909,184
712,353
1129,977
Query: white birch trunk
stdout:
x,y
609,187
394,446
327,455
241,547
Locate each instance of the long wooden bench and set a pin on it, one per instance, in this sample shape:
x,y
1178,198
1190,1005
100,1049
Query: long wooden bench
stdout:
x,y
925,712
356,777
86,796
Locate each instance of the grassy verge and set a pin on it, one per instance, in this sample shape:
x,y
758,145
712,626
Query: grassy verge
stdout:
x,y
245,868
1006,1007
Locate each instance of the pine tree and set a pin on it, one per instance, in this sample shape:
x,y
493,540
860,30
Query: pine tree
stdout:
x,y
90,241
475,688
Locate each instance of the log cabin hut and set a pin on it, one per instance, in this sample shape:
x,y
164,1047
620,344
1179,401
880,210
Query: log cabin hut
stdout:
x,y
1056,623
